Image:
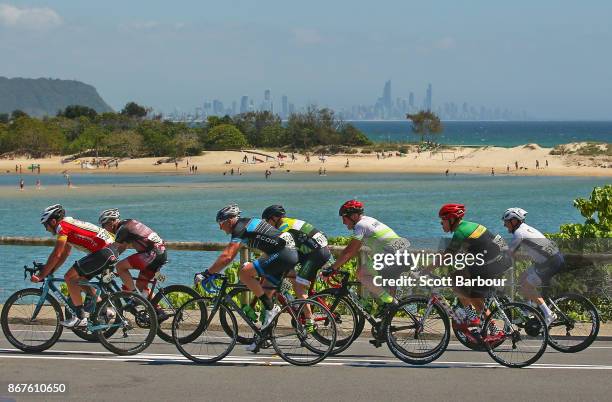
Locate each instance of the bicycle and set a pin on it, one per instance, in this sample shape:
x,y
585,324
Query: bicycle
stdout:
x,y
167,300
524,333
31,317
289,333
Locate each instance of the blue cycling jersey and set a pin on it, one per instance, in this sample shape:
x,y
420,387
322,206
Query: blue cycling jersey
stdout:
x,y
258,234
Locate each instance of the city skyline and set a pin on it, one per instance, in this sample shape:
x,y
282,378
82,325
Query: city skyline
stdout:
x,y
384,108
546,58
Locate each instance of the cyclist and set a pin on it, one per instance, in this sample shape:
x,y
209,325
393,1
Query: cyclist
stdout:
x,y
150,253
311,245
380,239
545,254
87,237
279,256
475,240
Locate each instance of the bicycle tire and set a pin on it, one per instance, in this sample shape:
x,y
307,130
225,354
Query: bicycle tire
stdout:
x,y
202,322
346,335
294,310
523,317
422,352
165,302
140,315
554,340
57,317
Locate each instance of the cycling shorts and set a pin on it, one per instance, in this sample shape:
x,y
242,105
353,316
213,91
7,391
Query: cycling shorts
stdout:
x,y
492,270
541,274
148,263
274,266
310,264
94,263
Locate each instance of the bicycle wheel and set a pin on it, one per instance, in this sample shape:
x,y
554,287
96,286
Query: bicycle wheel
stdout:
x,y
417,331
576,325
166,302
349,323
208,341
134,318
242,297
523,333
25,333
295,341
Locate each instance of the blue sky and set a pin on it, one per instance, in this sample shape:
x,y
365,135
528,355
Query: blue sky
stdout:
x,y
550,58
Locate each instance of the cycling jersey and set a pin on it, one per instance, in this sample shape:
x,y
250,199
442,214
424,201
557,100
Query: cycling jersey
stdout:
x,y
533,243
140,236
307,238
377,236
84,236
476,239
258,234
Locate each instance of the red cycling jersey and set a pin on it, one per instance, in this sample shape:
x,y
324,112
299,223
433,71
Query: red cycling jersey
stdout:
x,y
85,236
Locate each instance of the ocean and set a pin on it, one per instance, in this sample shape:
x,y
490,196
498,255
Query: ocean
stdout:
x,y
497,133
182,208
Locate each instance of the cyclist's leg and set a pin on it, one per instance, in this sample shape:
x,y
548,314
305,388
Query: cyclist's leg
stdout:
x,y
308,273
148,272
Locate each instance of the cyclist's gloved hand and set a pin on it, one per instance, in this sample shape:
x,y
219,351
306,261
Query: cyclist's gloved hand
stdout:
x,y
199,277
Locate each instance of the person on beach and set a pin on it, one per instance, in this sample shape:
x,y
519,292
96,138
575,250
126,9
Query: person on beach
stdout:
x,y
446,173
507,168
94,240
546,162
380,239
347,163
548,260
279,256
38,184
537,164
21,184
268,173
515,165
492,171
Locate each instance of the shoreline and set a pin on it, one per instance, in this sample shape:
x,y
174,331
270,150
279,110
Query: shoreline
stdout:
x,y
457,160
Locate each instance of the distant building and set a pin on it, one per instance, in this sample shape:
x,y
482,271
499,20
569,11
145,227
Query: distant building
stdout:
x,y
244,104
428,98
285,107
386,99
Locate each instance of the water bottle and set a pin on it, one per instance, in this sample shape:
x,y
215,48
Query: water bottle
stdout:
x,y
248,310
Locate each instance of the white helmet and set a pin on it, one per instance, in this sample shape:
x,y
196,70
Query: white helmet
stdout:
x,y
514,213
55,211
109,214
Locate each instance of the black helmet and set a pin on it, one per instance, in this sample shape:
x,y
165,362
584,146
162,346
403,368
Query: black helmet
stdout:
x,y
227,212
273,210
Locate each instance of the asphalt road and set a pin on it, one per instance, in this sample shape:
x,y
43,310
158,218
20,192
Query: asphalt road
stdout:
x,y
360,373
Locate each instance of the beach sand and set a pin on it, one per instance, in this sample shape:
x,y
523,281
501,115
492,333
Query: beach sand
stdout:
x,y
456,160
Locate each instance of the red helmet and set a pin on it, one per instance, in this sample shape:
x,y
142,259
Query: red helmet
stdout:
x,y
449,211
351,206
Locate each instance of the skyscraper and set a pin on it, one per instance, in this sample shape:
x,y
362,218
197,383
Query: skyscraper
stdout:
x,y
267,103
428,100
285,107
386,99
244,104
411,101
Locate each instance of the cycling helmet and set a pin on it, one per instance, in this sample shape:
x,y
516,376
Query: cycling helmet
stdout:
x,y
109,214
273,210
55,211
514,213
449,211
351,206
227,212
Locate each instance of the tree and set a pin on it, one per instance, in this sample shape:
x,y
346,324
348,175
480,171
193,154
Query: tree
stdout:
x,y
18,113
225,136
425,123
597,211
351,135
252,125
125,143
74,111
133,109
4,118
212,121
186,143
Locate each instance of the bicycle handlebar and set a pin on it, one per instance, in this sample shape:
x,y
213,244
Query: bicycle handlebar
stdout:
x,y
32,271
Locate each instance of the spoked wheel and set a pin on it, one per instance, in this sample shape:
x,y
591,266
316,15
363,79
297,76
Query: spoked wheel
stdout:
x,y
243,297
576,325
417,331
29,327
520,335
199,336
349,323
300,341
134,319
166,302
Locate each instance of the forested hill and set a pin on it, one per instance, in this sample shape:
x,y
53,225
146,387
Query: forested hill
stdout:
x,y
45,96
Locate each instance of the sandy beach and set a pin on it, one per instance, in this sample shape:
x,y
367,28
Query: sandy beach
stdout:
x,y
483,160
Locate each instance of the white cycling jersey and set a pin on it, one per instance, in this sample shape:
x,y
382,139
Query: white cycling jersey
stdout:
x,y
533,243
379,237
